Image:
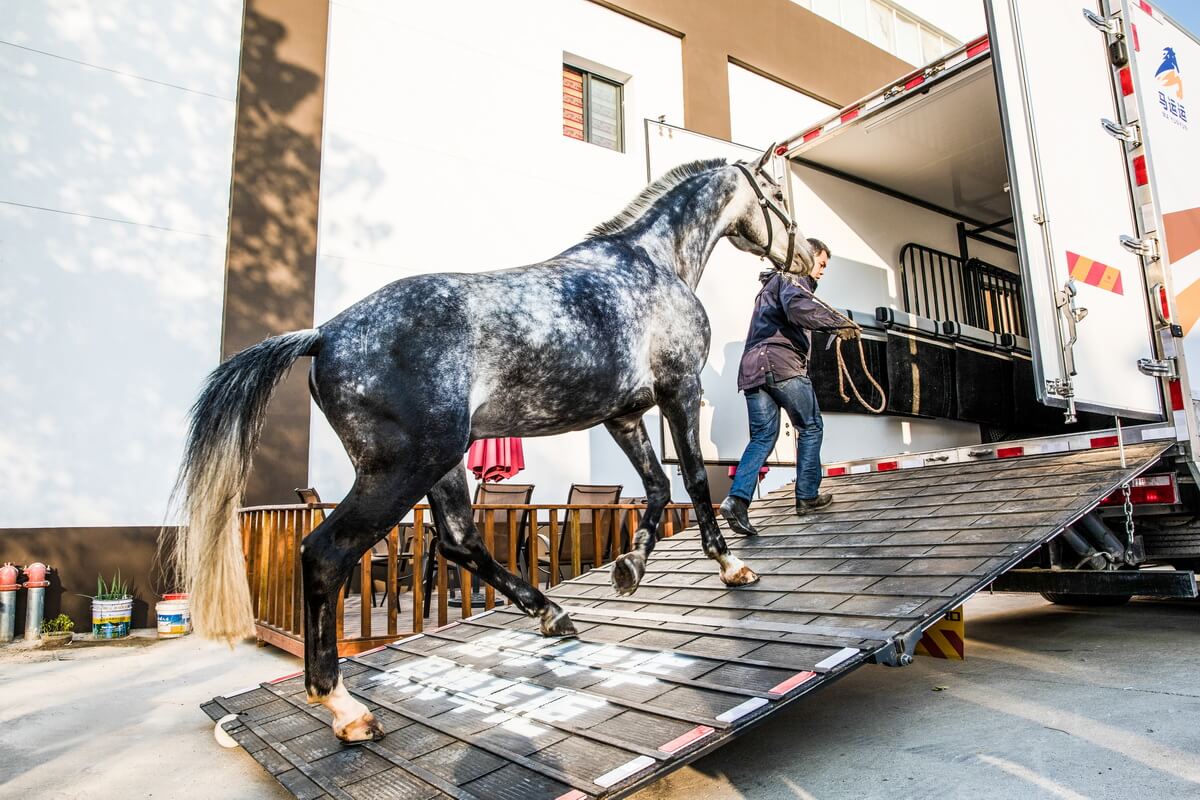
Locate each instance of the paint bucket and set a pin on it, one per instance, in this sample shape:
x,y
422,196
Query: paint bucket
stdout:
x,y
174,617
111,618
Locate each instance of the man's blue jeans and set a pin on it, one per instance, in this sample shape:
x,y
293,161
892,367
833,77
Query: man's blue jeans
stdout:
x,y
797,398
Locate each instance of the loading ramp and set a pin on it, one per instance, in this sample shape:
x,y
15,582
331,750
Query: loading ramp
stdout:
x,y
485,708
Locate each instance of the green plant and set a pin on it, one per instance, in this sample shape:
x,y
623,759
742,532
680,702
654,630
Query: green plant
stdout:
x,y
116,589
60,624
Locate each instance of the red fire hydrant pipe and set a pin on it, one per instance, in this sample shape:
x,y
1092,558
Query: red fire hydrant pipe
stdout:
x,y
35,600
8,601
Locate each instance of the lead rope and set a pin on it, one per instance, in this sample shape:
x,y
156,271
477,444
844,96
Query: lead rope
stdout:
x,y
844,371
844,378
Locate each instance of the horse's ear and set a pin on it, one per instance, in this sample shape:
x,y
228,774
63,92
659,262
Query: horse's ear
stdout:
x,y
765,157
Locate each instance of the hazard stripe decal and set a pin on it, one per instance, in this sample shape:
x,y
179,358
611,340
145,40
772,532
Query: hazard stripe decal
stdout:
x,y
694,735
792,682
624,771
829,662
1093,273
741,710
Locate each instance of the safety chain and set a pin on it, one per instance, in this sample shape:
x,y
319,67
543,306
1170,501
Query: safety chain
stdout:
x,y
1128,515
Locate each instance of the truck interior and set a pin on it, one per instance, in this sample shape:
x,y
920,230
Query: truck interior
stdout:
x,y
950,333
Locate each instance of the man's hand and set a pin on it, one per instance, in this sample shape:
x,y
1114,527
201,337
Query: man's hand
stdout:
x,y
848,333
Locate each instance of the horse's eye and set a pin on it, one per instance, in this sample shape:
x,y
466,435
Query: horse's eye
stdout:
x,y
779,195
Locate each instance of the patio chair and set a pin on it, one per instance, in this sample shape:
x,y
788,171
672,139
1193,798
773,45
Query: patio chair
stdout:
x,y
504,494
379,562
490,494
589,523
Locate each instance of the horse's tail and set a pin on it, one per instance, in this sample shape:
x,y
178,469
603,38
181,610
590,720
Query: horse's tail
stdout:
x,y
225,423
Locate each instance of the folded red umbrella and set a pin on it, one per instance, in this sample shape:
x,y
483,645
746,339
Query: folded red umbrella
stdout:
x,y
762,473
495,459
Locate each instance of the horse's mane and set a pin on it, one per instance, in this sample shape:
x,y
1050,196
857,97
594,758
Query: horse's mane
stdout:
x,y
651,193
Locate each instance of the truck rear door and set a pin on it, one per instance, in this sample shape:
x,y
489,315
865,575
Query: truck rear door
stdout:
x,y
1162,54
1072,202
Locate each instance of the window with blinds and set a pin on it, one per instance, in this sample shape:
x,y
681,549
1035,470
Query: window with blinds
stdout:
x,y
592,109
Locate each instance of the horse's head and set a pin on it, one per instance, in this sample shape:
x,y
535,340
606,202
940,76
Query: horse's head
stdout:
x,y
765,227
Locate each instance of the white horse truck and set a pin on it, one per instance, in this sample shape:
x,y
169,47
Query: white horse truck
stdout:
x,y
1016,227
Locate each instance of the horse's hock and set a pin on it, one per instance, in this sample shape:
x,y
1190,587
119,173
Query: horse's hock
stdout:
x,y
483,707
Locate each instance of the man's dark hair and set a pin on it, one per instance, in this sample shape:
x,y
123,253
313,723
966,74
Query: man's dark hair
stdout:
x,y
819,247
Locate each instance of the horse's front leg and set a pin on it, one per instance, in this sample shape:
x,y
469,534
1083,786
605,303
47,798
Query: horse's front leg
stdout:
x,y
630,434
682,411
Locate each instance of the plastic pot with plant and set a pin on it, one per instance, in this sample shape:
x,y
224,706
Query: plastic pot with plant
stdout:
x,y
58,631
112,608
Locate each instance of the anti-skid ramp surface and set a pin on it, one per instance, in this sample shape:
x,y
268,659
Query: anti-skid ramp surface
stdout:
x,y
485,708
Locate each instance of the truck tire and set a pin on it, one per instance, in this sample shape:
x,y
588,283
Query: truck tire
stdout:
x,y
1093,600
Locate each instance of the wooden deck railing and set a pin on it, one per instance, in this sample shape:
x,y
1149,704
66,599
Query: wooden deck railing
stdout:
x,y
401,562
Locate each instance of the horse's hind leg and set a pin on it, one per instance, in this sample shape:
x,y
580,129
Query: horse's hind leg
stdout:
x,y
327,555
460,542
682,410
630,433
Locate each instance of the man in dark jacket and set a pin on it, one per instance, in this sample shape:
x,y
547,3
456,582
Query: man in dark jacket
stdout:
x,y
774,375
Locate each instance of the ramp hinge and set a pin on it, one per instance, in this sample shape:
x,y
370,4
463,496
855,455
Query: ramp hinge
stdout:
x,y
899,651
1110,25
1146,248
1130,134
1159,367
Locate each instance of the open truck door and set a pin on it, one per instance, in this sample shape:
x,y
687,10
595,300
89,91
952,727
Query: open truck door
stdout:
x,y
1167,180
1073,209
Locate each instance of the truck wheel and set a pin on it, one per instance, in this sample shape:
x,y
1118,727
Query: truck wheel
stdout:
x,y
1087,599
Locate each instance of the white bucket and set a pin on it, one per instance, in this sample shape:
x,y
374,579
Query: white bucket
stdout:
x,y
174,618
111,618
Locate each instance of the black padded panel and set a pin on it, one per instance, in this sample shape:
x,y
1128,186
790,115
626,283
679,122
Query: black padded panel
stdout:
x,y
920,376
1028,413
983,386
824,373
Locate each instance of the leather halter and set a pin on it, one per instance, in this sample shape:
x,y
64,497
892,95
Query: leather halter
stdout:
x,y
769,208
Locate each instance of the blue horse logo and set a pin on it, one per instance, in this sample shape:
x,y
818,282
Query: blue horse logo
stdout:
x,y
1168,72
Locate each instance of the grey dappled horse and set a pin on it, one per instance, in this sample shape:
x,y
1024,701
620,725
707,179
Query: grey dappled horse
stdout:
x,y
409,376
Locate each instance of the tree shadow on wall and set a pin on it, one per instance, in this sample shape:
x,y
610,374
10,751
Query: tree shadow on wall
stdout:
x,y
271,264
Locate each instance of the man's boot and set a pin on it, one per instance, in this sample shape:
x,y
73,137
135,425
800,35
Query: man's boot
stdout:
x,y
734,510
812,504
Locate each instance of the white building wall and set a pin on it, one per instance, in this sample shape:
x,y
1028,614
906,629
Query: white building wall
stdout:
x,y
763,111
444,151
962,19
116,135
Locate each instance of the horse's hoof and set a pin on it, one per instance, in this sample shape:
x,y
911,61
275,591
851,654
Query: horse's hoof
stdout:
x,y
627,573
743,576
364,729
734,571
556,623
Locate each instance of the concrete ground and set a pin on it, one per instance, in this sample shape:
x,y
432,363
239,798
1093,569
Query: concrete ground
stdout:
x,y
1052,702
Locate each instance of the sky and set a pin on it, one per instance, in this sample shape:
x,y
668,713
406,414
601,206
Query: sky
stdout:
x,y
1185,12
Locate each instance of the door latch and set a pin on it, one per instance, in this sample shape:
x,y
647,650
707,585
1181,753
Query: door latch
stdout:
x,y
1071,315
1130,134
1146,248
1118,52
1109,25
1159,367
